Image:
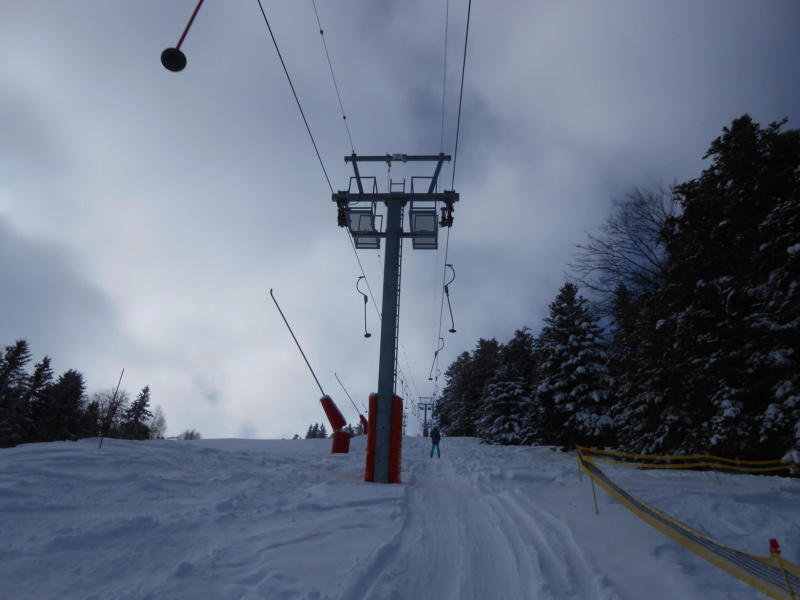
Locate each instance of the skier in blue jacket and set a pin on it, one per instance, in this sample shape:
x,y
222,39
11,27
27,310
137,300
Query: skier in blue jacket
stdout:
x,y
435,437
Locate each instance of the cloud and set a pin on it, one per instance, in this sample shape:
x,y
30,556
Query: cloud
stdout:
x,y
47,301
155,211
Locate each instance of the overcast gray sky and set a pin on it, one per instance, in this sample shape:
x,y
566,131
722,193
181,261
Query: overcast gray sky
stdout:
x,y
145,215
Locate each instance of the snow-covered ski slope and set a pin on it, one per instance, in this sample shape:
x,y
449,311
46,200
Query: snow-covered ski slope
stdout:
x,y
285,519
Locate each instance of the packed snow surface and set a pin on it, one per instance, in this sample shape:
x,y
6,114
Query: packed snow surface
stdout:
x,y
286,519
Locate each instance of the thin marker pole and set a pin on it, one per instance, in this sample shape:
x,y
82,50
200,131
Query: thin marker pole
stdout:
x,y
112,409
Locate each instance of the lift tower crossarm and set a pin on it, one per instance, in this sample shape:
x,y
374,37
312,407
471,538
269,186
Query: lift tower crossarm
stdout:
x,y
414,196
388,158
355,169
400,157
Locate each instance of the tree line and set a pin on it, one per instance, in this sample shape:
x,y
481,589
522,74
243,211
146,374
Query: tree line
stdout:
x,y
318,430
688,339
39,407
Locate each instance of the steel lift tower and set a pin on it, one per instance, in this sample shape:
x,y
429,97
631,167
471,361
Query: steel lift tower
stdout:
x,y
425,406
358,211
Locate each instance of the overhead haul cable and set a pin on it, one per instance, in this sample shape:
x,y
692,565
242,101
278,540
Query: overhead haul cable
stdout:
x,y
444,76
285,70
330,64
455,158
461,95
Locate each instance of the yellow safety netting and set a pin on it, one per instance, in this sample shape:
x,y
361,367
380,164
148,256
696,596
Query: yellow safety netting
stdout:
x,y
689,461
775,577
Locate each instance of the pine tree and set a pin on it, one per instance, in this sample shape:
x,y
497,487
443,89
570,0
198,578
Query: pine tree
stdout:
x,y
517,356
451,410
648,412
572,399
65,408
91,420
317,431
732,292
137,417
36,399
483,366
503,415
13,383
778,313
637,351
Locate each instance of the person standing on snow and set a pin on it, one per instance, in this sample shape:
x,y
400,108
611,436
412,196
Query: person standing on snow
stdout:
x,y
435,437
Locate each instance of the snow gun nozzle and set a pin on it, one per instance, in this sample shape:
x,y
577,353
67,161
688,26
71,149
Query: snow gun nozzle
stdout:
x,y
173,60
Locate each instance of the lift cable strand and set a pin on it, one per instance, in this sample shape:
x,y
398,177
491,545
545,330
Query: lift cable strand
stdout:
x,y
330,64
444,75
285,70
441,140
461,95
455,159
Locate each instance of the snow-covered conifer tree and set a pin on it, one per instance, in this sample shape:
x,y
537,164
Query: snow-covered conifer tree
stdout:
x,y
505,407
734,293
571,400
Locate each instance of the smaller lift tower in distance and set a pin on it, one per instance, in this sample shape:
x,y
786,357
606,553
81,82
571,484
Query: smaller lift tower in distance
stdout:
x,y
358,211
425,406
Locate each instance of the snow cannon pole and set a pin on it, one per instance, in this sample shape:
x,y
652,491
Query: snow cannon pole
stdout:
x,y
296,342
112,408
341,439
189,25
360,416
174,59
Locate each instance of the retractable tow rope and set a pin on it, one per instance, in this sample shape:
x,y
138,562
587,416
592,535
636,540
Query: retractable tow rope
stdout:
x,y
435,355
366,333
447,293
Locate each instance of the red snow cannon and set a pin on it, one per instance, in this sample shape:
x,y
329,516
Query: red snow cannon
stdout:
x,y
341,439
333,413
341,442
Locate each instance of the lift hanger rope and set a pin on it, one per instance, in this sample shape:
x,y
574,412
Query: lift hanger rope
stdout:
x,y
366,301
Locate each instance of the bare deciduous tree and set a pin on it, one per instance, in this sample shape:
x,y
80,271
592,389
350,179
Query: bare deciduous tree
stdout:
x,y
111,410
630,249
158,424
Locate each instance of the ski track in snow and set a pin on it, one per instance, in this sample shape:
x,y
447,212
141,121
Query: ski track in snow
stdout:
x,y
286,520
465,536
